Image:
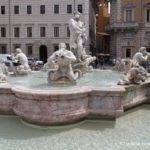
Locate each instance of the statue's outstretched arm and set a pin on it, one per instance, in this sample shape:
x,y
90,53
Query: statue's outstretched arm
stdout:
x,y
15,57
72,24
52,57
71,56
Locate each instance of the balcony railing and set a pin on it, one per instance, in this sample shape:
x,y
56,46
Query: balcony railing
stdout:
x,y
122,26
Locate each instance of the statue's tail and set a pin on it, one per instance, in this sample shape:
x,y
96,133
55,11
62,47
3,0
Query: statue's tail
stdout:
x,y
89,60
77,73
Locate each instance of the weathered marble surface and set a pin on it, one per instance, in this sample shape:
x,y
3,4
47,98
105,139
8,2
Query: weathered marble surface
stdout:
x,y
56,107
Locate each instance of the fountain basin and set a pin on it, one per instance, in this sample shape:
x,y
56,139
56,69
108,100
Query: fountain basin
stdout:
x,y
56,107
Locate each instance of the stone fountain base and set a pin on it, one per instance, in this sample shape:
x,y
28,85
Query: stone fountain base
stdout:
x,y
63,81
56,107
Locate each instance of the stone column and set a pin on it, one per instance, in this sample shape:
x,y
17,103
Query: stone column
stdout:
x,y
115,11
86,20
118,11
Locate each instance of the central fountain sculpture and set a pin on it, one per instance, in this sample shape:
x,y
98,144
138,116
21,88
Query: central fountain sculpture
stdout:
x,y
70,64
77,36
64,72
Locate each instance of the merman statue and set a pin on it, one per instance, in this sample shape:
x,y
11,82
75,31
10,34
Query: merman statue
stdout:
x,y
64,72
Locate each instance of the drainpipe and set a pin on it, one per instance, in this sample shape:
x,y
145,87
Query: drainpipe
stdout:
x,y
74,5
9,16
141,22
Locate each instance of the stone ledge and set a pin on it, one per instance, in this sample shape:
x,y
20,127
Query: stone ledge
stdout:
x,y
56,107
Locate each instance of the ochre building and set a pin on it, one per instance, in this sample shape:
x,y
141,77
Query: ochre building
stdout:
x,y
129,27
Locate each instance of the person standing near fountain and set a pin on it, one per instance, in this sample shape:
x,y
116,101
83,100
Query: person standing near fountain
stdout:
x,y
22,68
77,35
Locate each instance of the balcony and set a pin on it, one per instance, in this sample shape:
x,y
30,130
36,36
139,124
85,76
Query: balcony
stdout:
x,y
123,26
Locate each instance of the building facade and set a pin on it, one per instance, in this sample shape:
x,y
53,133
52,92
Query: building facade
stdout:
x,y
103,37
38,26
129,27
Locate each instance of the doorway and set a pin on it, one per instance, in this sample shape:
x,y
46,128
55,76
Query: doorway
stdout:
x,y
128,53
43,53
148,49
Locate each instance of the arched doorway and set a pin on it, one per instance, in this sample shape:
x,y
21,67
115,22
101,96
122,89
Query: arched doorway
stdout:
x,y
43,53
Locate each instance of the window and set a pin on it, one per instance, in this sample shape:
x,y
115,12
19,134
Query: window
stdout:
x,y
56,47
148,15
29,50
42,9
42,31
2,10
148,49
16,32
129,15
3,49
56,9
128,52
67,46
29,31
129,35
68,32
29,9
69,9
56,31
80,8
3,32
147,34
16,9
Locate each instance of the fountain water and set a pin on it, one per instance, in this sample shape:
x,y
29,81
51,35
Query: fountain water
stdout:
x,y
128,132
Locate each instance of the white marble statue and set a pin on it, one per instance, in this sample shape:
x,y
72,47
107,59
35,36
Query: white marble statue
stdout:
x,y
3,72
85,66
64,72
68,66
123,65
136,73
141,56
120,65
49,65
23,67
77,36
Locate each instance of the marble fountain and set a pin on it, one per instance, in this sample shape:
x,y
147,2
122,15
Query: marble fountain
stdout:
x,y
69,90
95,95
